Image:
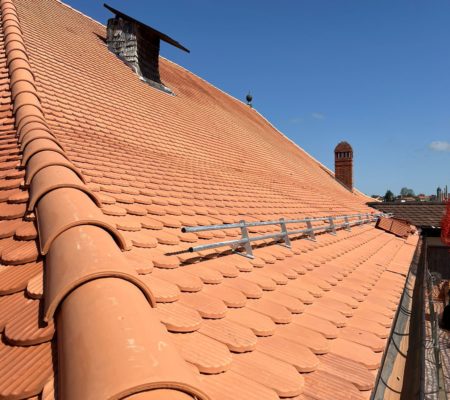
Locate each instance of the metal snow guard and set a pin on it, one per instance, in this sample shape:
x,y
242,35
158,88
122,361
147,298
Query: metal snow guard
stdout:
x,y
283,236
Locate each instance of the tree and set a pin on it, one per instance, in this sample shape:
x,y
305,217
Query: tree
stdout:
x,y
406,192
389,196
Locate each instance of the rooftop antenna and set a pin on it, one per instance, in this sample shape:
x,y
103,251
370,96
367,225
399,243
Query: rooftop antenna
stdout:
x,y
249,99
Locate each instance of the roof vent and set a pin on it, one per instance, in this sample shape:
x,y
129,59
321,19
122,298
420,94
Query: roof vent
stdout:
x,y
137,45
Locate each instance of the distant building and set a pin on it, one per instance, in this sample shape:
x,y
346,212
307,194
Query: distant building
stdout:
x,y
439,194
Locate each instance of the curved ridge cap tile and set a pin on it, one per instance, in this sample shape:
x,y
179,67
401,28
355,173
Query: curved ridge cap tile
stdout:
x,y
56,177
8,8
39,142
110,323
26,119
21,84
17,64
22,81
11,25
160,394
31,127
21,76
65,208
46,158
13,43
10,16
26,99
27,105
80,255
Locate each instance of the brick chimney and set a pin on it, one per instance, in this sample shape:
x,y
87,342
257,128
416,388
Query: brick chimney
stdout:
x,y
138,46
343,164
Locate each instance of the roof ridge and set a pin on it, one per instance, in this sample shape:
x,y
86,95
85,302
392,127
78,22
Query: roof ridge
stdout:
x,y
78,242
79,12
303,151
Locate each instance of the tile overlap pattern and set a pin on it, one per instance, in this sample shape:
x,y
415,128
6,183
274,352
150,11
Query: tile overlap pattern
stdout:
x,y
305,323
420,214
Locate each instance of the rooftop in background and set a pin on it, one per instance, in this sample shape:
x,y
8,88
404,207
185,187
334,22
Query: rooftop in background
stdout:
x,y
421,214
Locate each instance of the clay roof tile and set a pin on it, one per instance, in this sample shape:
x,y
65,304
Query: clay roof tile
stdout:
x,y
108,192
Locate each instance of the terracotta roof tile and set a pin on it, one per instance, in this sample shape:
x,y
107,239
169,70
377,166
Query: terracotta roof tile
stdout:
x,y
208,355
282,377
24,370
236,337
111,181
223,386
25,327
301,357
355,352
179,318
321,385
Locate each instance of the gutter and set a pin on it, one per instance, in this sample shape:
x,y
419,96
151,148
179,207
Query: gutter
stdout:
x,y
391,375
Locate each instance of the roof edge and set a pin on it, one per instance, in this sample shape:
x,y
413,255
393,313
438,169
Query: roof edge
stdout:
x,y
79,12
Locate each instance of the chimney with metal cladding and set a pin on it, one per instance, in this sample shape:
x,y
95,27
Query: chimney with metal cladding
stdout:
x,y
138,46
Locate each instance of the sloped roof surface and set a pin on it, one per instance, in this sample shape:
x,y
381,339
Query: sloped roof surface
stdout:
x,y
398,227
109,170
421,214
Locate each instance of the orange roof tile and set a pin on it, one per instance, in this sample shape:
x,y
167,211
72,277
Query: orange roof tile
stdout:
x,y
98,173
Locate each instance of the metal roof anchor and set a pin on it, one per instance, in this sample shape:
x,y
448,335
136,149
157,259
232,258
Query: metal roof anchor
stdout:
x,y
332,229
245,237
284,231
310,230
347,224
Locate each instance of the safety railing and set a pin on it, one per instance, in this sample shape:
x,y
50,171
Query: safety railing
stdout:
x,y
434,379
332,225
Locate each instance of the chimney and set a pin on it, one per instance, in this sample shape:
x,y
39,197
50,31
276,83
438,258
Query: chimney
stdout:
x,y
439,194
138,46
343,164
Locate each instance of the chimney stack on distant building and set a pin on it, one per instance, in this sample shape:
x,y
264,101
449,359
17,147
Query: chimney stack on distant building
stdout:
x,y
343,164
439,194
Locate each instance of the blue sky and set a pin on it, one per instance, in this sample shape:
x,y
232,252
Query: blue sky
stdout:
x,y
374,72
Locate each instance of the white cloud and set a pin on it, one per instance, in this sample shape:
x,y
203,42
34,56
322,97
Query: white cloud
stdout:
x,y
296,120
317,115
439,146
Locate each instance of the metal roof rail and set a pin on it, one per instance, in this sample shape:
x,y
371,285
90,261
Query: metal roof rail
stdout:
x,y
283,236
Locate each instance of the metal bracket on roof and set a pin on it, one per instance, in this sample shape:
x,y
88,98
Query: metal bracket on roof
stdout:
x,y
247,245
332,228
347,224
310,230
284,231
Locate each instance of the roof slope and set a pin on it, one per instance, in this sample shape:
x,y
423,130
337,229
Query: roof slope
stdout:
x,y
114,168
421,214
